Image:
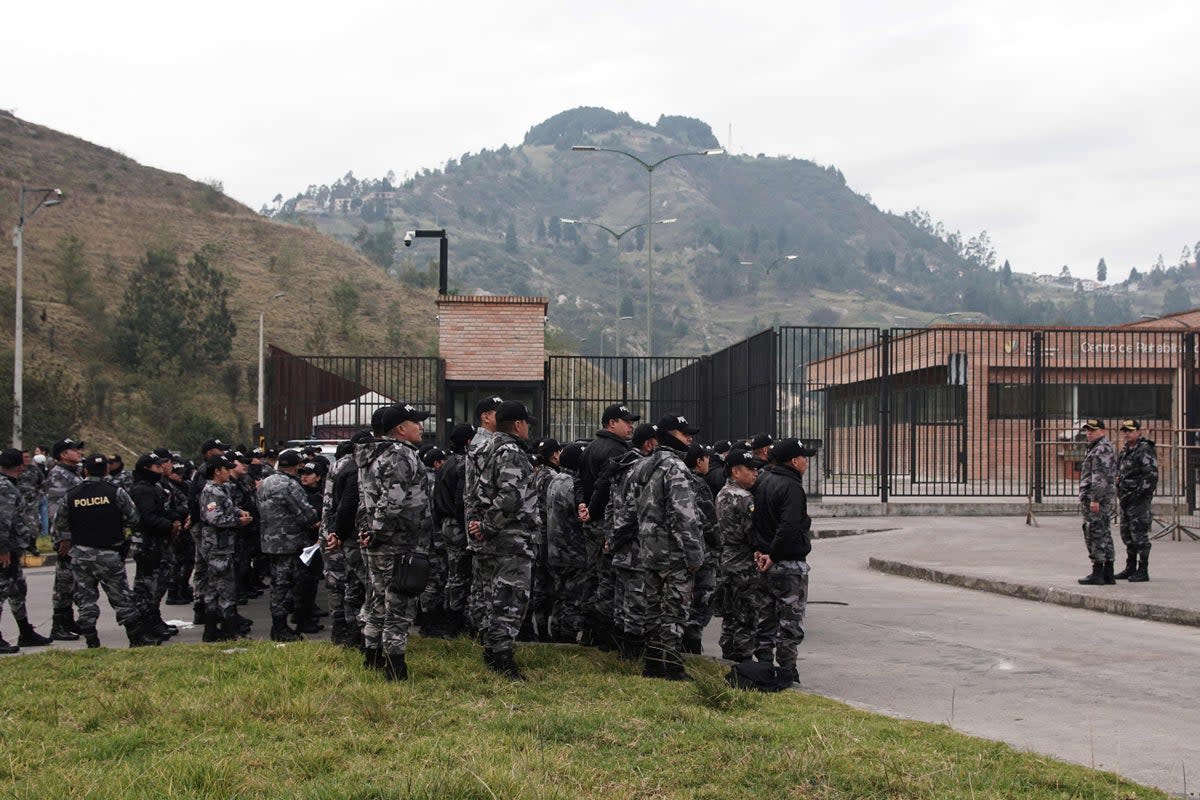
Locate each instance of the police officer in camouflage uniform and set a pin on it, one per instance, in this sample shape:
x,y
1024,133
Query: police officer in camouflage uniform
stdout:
x,y
478,599
432,604
337,577
16,532
1097,493
449,510
220,523
629,584
32,484
64,475
739,572
504,530
781,534
566,548
117,474
397,537
212,448
288,521
541,593
670,545
182,554
1137,478
704,582
89,525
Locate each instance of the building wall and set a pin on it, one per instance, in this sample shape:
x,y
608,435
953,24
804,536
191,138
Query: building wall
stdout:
x,y
492,338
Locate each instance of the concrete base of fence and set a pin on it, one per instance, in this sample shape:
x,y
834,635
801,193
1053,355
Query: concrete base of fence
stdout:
x,y
1040,593
926,508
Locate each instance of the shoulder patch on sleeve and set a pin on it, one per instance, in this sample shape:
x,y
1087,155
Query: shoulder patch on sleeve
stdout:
x,y
212,506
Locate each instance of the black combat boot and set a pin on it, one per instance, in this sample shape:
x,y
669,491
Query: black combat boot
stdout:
x,y
212,627
505,664
198,615
1097,576
652,662
692,644
1109,580
6,648
635,648
338,631
354,638
543,627
373,657
603,637
280,632
394,668
1130,564
69,619
92,639
29,637
527,634
673,666
233,625
1141,575
60,629
137,636
175,597
243,624
489,658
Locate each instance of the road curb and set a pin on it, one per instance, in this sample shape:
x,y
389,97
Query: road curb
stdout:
x,y
1043,594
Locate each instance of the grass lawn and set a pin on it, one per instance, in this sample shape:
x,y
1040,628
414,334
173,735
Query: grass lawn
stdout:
x,y
306,721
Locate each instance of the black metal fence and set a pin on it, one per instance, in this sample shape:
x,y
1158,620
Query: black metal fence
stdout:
x,y
332,397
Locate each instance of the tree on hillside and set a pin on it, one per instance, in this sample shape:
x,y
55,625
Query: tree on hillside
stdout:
x,y
1065,272
1102,271
1160,266
1185,257
510,237
1006,272
1176,301
70,270
206,324
554,229
979,251
380,246
344,298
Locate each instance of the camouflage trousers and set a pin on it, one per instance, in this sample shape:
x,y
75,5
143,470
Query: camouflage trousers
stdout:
x,y
215,552
541,594
458,567
570,590
200,568
479,597
509,578
346,579
286,578
1097,532
184,550
389,614
593,535
704,590
743,597
629,602
64,583
13,588
1135,524
779,623
94,567
433,599
668,604
606,589
150,560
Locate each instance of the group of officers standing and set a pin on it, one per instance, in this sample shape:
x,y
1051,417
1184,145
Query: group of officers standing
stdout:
x,y
627,542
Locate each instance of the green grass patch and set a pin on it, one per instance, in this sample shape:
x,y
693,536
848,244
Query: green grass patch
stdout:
x,y
306,721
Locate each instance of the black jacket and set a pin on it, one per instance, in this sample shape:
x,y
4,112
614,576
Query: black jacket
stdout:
x,y
347,506
448,501
151,500
781,526
716,474
606,447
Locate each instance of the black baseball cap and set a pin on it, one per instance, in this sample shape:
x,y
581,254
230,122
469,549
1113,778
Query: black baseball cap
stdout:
x,y
644,433
1092,425
96,464
12,457
401,412
787,449
694,453
487,404
362,437
1130,425
462,434
215,463
513,411
288,458
743,458
570,455
64,444
761,440
722,446
618,411
433,455
212,444
548,447
677,422
147,460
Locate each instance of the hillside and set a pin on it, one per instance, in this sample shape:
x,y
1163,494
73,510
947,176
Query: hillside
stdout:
x,y
855,264
117,210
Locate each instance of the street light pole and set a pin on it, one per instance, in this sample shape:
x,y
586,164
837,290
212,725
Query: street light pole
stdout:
x,y
617,236
262,360
649,167
49,197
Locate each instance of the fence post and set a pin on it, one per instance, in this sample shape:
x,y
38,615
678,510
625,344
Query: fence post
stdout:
x,y
885,414
1039,423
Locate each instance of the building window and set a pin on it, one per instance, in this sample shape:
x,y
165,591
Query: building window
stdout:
x,y
1079,401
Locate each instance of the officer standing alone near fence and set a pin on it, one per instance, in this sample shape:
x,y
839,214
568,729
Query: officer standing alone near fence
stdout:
x,y
1137,478
1097,491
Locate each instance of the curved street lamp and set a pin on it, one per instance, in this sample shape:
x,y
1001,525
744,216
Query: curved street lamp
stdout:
x,y
649,166
772,265
617,236
49,197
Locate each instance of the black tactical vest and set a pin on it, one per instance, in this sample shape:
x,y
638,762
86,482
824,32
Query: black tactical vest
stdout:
x,y
93,516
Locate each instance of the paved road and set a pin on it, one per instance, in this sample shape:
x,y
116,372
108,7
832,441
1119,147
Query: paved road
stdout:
x,y
1096,689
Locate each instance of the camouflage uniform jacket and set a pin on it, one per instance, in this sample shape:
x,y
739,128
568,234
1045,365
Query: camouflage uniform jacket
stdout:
x,y
1098,473
286,515
245,497
365,455
1137,472
507,504
735,513
478,454
32,484
399,503
61,479
219,517
622,509
540,481
566,548
669,525
122,479
708,517
14,533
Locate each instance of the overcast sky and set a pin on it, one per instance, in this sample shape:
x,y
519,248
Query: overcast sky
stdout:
x,y
1070,131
